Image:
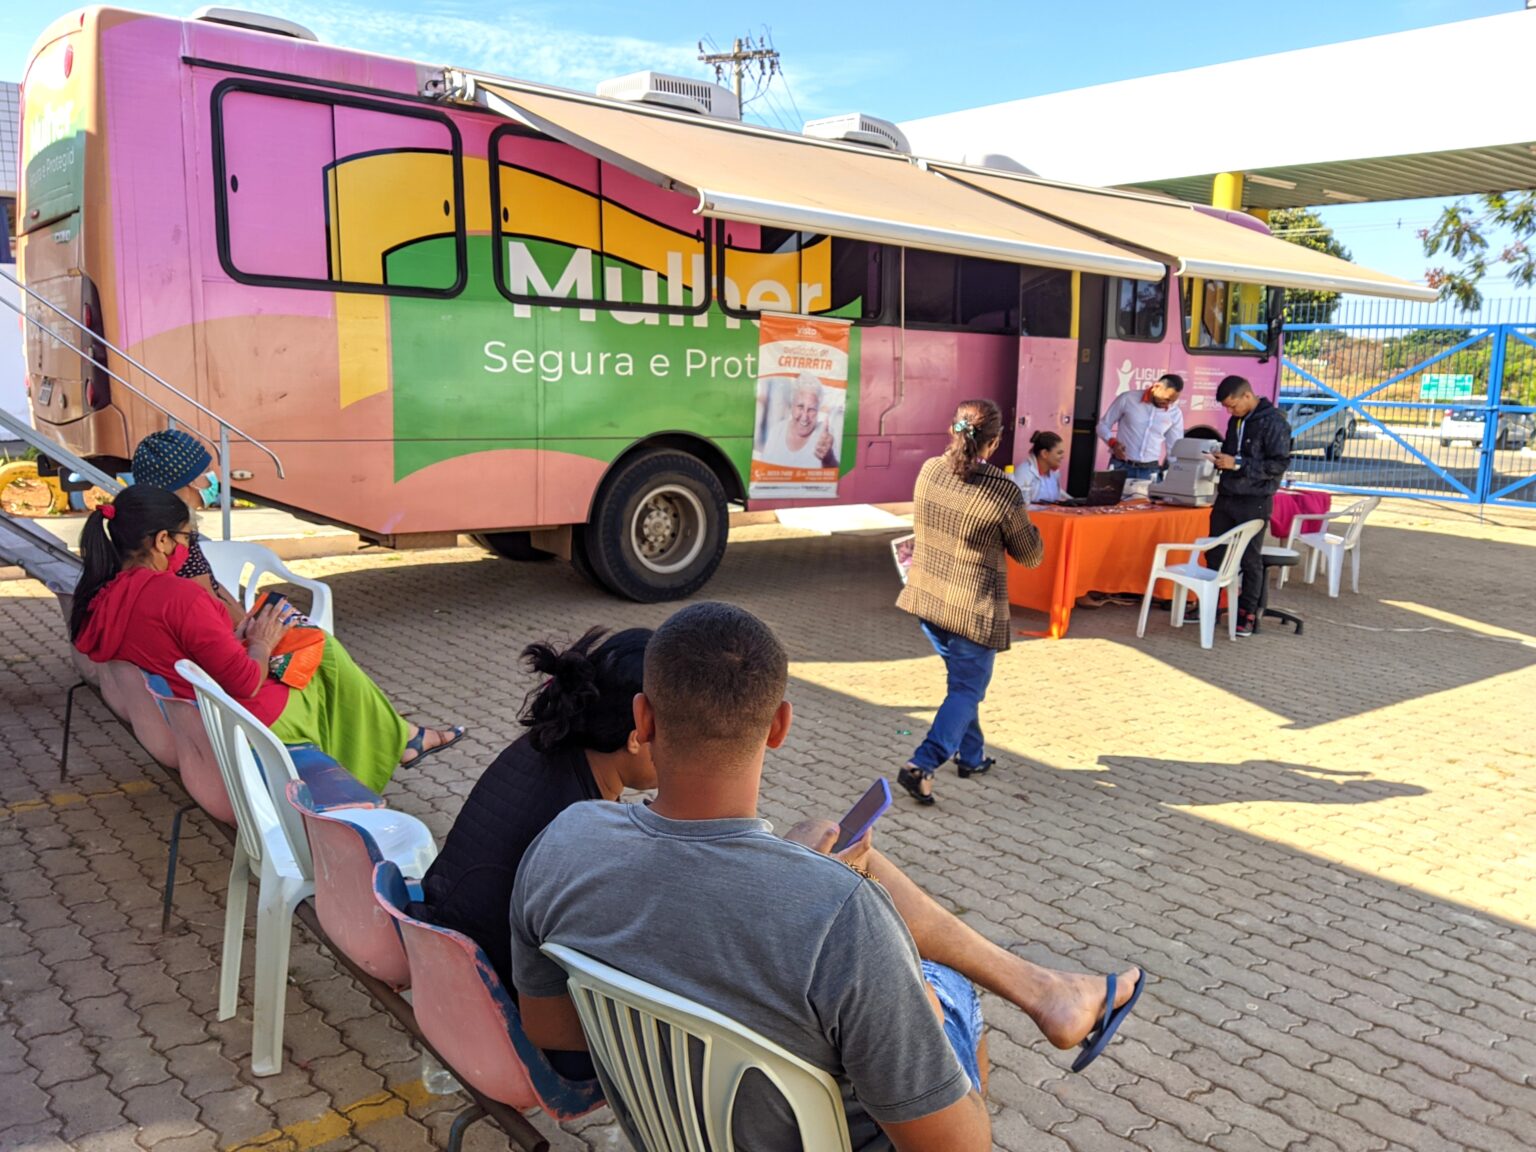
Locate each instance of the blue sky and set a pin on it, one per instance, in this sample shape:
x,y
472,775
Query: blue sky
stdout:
x,y
899,59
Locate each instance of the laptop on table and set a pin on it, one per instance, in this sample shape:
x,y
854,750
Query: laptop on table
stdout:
x,y
1106,488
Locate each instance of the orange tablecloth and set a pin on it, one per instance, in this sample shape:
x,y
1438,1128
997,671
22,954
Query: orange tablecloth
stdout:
x,y
1098,550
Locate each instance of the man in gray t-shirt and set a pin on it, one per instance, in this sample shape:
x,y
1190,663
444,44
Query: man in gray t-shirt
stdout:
x,y
696,895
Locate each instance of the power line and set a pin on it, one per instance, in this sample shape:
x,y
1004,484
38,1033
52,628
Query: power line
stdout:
x,y
779,112
793,103
738,62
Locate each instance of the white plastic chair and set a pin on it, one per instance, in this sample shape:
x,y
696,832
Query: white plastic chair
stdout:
x,y
643,1041
230,559
1206,583
270,838
1331,547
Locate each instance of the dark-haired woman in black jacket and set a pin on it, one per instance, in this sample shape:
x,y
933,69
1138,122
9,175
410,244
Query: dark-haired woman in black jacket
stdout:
x,y
580,745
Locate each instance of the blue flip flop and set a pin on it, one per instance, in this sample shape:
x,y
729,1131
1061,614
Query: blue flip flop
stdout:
x,y
417,744
1100,1037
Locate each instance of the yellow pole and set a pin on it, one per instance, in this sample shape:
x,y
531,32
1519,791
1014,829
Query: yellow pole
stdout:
x,y
1227,191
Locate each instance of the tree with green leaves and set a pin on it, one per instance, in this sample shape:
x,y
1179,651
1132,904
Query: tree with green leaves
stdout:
x,y
1304,227
1460,233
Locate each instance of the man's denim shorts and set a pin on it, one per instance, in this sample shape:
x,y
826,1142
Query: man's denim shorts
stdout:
x,y
962,1015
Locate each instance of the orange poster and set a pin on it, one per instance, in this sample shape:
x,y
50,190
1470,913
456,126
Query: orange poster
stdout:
x,y
802,398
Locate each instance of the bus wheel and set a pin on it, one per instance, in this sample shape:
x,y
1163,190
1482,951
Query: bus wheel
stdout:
x,y
511,545
580,560
658,529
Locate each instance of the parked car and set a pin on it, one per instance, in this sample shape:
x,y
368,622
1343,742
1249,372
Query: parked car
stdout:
x,y
1514,429
1329,434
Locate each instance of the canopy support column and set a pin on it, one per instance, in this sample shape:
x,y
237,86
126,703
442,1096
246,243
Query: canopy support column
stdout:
x,y
1227,191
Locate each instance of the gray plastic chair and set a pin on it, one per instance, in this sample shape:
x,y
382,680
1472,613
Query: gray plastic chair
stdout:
x,y
643,1041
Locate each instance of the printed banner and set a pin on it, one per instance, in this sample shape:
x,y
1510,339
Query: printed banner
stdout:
x,y
802,398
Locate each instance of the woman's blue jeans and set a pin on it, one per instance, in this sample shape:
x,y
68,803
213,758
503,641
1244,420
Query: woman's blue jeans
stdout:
x,y
956,728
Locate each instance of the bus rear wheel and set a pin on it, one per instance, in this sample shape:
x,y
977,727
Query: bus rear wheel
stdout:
x,y
658,529
511,545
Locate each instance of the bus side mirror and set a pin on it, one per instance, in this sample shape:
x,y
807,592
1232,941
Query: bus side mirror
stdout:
x,y
1276,324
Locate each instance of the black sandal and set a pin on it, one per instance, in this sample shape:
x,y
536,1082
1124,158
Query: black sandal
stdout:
x,y
966,771
912,781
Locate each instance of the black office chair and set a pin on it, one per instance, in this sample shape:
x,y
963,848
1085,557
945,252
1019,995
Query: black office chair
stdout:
x,y
1276,558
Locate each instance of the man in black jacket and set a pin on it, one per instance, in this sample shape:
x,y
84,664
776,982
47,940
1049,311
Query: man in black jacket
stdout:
x,y
1253,459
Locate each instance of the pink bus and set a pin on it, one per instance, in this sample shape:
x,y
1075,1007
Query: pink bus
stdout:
x,y
444,320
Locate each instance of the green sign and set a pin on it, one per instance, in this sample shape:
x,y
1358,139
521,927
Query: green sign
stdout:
x,y
1444,386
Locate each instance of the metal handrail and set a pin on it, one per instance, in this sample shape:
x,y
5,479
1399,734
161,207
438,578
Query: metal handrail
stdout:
x,y
225,427
158,379
80,467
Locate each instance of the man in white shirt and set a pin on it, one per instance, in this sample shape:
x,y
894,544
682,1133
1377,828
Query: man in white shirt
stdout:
x,y
1140,427
802,439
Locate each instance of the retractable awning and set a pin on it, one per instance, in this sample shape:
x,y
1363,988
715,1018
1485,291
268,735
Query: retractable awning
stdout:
x,y
760,176
1193,242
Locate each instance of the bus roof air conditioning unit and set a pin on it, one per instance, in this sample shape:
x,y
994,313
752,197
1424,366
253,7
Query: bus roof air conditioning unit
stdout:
x,y
857,128
255,21
999,162
677,92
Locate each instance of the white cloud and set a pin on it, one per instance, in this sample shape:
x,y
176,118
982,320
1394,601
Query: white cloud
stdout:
x,y
531,45
514,44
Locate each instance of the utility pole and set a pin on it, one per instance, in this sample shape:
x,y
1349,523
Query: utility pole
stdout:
x,y
743,52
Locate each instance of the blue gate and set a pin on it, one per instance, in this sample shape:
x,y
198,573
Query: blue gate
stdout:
x,y
1403,400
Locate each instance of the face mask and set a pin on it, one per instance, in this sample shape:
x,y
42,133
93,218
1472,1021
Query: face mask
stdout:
x,y
178,558
210,494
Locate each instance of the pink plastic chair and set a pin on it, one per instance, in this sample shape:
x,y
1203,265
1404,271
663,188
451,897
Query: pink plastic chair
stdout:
x,y
345,847
122,687
199,770
199,775
471,1021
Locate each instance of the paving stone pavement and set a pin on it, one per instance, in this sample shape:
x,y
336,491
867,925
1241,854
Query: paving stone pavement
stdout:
x,y
1321,847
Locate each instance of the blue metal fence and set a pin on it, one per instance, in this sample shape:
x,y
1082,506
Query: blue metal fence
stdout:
x,y
1412,400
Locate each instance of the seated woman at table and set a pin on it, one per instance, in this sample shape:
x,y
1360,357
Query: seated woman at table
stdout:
x,y
1040,479
130,605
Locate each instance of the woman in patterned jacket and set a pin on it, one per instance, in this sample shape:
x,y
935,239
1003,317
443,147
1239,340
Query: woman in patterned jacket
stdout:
x,y
968,517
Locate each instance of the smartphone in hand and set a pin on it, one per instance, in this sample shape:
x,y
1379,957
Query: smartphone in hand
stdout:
x,y
862,816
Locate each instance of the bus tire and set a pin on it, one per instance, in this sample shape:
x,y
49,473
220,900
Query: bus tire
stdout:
x,y
581,561
658,528
512,546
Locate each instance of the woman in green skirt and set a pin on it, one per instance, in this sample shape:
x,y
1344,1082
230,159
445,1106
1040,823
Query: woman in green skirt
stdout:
x,y
130,605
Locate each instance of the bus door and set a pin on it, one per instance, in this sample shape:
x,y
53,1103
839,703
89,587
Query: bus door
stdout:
x,y
1085,393
1136,342
1047,379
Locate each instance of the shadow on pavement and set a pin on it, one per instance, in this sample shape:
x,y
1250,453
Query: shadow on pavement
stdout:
x,y
1182,783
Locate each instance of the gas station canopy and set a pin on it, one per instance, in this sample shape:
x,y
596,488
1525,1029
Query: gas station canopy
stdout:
x,y
1442,111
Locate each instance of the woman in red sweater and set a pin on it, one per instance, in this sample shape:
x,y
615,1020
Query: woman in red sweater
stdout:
x,y
130,605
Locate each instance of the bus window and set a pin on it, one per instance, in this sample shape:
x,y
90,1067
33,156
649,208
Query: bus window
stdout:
x,y
548,221
989,296
1045,302
765,269
1225,315
932,287
276,153
778,270
962,292
320,194
573,229
395,195
858,289
1139,308
654,251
